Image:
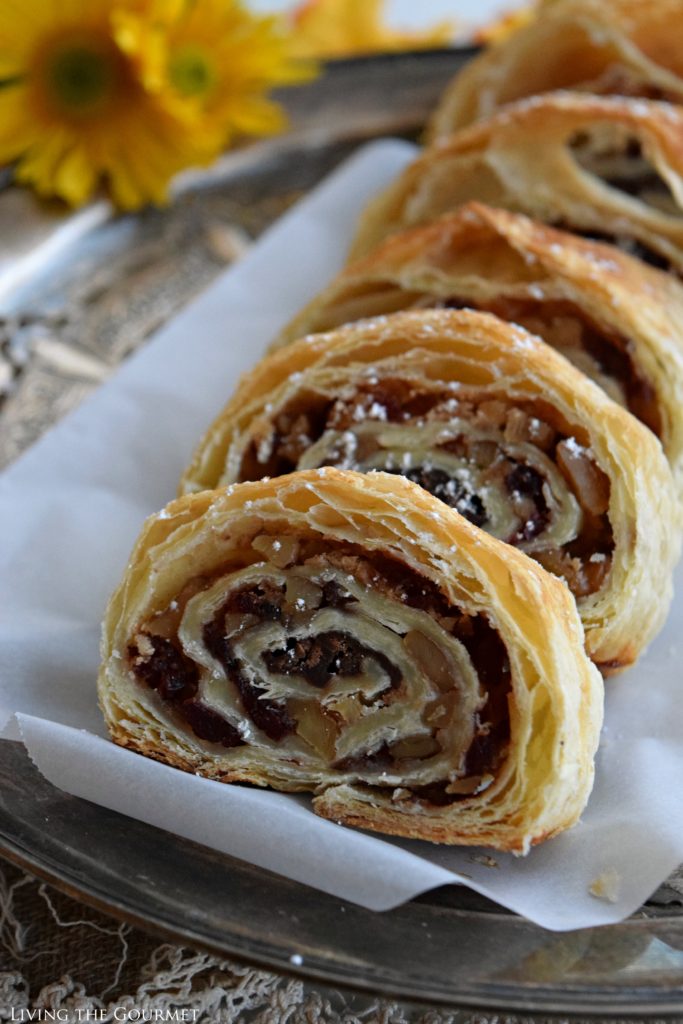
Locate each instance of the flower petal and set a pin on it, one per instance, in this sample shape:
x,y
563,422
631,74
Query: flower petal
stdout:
x,y
17,130
75,177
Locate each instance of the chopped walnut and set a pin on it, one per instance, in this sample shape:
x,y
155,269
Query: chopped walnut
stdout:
x,y
280,551
297,436
144,646
590,484
491,413
516,426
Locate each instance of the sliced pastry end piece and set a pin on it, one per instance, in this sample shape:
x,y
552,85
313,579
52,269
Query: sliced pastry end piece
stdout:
x,y
496,424
620,47
349,635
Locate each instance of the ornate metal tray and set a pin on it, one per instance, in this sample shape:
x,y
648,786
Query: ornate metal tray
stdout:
x,y
77,293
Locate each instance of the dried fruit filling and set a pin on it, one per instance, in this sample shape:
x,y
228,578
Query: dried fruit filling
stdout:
x,y
349,668
600,353
511,469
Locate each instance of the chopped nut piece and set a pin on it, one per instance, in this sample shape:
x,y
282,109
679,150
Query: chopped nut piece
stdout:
x,y
491,413
465,786
431,660
297,435
483,452
439,711
590,484
516,426
541,433
280,551
346,707
302,594
263,439
315,727
144,646
166,623
582,577
415,746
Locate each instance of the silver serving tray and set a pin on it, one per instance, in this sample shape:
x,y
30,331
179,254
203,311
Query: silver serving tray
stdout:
x,y
77,293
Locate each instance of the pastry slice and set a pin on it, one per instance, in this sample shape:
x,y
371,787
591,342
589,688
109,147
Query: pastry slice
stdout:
x,y
493,422
608,168
612,47
617,320
351,636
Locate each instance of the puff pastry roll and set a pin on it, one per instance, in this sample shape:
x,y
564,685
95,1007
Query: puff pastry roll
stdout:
x,y
351,636
493,422
616,319
619,47
609,168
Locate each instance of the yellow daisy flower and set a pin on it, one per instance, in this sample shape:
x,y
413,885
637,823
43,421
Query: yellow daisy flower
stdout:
x,y
340,28
221,61
126,93
73,110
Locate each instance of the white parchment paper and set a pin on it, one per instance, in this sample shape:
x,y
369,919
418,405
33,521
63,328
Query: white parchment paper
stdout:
x,y
70,510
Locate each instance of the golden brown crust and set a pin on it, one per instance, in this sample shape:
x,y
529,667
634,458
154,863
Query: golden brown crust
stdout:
x,y
615,48
342,805
520,159
556,698
481,255
480,350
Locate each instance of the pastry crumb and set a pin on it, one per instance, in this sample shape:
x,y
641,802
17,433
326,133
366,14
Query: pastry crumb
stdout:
x,y
606,886
483,858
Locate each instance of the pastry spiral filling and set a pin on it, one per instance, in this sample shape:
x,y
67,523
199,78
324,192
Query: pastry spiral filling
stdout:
x,y
612,154
603,356
504,467
349,669
609,153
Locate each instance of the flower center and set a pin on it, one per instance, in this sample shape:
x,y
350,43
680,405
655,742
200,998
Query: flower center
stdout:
x,y
191,71
77,74
80,78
